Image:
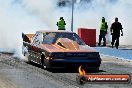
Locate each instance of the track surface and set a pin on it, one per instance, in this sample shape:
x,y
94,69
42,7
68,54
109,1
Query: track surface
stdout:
x,y
15,73
122,52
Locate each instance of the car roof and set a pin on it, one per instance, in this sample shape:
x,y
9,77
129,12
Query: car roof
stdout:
x,y
43,31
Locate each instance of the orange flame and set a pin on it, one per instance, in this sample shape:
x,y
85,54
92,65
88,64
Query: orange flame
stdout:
x,y
81,71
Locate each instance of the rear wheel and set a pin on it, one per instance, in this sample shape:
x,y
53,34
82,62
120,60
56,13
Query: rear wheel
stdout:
x,y
42,62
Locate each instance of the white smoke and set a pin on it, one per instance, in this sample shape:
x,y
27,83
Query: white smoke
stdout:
x,y
17,16
48,11
13,21
86,14
90,16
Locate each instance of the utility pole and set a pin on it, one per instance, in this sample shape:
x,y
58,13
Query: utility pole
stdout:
x,y
72,15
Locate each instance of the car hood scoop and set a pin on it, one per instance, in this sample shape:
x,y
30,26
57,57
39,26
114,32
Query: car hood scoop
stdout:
x,y
67,44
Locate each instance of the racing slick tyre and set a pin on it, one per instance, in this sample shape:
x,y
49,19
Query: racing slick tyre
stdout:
x,y
43,62
97,69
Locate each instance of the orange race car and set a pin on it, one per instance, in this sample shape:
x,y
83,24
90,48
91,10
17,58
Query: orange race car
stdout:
x,y
59,49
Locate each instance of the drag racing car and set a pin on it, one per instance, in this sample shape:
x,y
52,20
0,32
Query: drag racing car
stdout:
x,y
59,49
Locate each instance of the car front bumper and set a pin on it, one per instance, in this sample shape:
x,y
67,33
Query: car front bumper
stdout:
x,y
65,63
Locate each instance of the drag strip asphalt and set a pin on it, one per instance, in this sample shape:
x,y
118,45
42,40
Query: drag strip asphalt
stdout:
x,y
18,74
122,52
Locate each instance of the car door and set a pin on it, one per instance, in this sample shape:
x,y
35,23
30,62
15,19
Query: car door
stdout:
x,y
35,50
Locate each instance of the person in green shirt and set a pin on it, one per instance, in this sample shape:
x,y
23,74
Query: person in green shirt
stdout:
x,y
61,24
103,32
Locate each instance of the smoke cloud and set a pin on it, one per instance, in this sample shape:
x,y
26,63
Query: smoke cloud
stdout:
x,y
28,16
87,13
13,21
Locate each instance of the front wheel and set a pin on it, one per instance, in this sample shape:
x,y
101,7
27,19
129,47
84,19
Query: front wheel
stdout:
x,y
97,69
43,62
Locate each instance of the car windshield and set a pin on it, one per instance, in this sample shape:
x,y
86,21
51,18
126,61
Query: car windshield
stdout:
x,y
51,37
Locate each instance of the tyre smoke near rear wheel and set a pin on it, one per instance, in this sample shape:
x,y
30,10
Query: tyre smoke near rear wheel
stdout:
x,y
26,54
